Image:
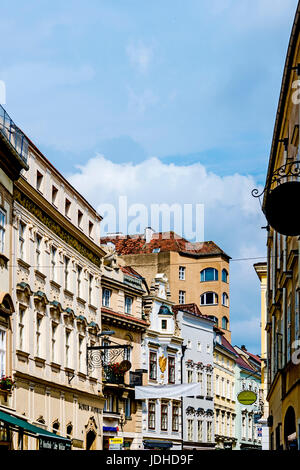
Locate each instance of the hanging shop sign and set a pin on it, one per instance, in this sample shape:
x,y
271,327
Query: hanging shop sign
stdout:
x,y
247,397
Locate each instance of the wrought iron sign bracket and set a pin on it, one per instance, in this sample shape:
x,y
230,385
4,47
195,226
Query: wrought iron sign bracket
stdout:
x,y
99,356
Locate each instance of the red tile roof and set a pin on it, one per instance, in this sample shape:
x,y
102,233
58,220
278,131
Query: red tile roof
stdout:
x,y
190,308
125,317
130,271
165,241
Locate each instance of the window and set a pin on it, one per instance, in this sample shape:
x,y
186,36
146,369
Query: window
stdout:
x,y
171,369
217,385
53,342
54,195
209,274
67,207
151,415
189,344
106,294
80,352
175,418
153,365
80,216
182,297
2,353
53,263
224,275
208,348
182,273
164,324
225,323
38,241
223,387
2,229
225,299
55,427
38,335
127,408
22,227
228,390
67,260
200,381
164,417
189,376
91,229
199,346
297,316
208,380
21,327
69,430
200,430
79,271
67,348
215,319
228,424
288,345
209,431
39,181
190,430
209,298
128,304
91,281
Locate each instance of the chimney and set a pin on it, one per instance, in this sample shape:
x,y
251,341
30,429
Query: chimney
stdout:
x,y
243,347
148,234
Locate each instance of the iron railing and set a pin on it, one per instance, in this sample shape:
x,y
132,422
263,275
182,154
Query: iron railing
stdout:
x,y
13,135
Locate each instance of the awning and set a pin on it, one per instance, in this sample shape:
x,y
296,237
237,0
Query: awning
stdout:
x,y
151,444
167,391
48,440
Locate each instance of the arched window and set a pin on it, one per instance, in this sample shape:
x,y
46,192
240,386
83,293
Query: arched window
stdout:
x,y
225,299
69,430
224,275
225,323
209,274
55,427
209,298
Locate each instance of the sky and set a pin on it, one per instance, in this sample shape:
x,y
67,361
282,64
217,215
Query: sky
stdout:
x,y
162,102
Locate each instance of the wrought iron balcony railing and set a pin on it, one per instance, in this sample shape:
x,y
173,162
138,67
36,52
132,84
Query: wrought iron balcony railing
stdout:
x,y
13,135
112,378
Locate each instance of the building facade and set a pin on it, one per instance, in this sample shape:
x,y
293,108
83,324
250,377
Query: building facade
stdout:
x,y
57,270
283,331
122,315
197,366
225,392
197,272
161,356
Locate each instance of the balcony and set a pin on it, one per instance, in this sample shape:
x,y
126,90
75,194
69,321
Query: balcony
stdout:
x,y
14,136
111,378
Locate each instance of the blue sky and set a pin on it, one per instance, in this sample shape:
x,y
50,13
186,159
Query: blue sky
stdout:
x,y
189,89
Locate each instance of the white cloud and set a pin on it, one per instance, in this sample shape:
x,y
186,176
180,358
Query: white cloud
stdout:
x,y
140,55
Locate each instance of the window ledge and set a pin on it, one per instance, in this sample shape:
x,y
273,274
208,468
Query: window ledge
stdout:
x,y
55,284
80,300
69,293
39,273
22,353
39,361
55,366
92,307
3,260
23,263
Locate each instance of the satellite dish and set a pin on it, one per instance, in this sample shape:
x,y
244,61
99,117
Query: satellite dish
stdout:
x,y
125,366
247,397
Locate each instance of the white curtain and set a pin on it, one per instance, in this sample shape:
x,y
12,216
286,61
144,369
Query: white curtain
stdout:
x,y
167,391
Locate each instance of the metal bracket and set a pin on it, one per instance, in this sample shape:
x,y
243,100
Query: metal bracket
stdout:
x,y
99,356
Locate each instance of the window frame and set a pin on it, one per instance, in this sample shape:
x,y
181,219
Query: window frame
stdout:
x,y
203,275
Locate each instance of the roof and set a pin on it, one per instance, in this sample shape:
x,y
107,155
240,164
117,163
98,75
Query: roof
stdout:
x,y
130,272
242,363
192,309
165,241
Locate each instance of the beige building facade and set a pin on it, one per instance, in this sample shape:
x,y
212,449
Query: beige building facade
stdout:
x,y
57,274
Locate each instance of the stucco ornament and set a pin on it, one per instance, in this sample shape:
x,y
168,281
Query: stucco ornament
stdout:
x,y
162,363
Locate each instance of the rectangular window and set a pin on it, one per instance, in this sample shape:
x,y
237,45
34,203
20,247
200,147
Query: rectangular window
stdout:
x,y
153,365
39,181
199,347
151,415
66,273
164,324
2,353
200,430
200,381
53,263
208,379
38,335
175,418
164,417
54,195
182,273
2,229
80,353
80,217
182,297
67,345
209,431
127,408
53,343
67,208
128,304
189,376
21,327
190,430
171,370
79,271
289,326
91,282
217,385
106,294
38,241
22,227
91,229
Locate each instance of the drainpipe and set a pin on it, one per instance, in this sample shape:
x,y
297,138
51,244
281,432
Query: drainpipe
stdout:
x,y
183,348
